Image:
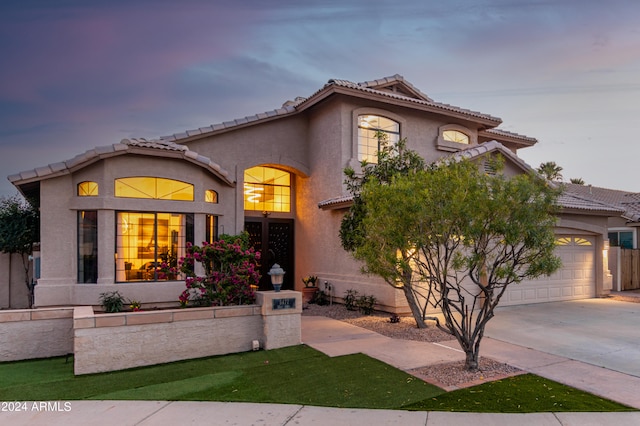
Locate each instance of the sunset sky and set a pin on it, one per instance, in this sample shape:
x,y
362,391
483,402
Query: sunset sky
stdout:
x,y
79,74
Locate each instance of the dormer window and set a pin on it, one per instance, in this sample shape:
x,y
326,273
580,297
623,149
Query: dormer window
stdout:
x,y
373,130
453,137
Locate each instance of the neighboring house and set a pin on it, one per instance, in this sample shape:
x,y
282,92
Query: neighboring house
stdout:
x,y
622,229
111,216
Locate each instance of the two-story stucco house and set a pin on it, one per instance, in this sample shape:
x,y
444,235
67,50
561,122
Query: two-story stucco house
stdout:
x,y
112,214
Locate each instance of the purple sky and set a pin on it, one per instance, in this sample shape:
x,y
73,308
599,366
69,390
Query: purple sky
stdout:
x,y
78,74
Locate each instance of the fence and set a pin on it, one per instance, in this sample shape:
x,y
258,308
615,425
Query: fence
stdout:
x,y
630,269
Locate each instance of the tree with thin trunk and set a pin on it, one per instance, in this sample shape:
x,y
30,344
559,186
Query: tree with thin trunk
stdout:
x,y
464,235
392,160
19,230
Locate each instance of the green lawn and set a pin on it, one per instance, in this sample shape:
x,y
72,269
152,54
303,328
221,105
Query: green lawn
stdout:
x,y
295,375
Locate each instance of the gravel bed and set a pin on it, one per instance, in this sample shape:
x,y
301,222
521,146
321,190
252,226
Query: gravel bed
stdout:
x,y
448,376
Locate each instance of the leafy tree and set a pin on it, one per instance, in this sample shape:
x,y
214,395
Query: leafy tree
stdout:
x,y
393,160
464,234
19,229
577,181
551,171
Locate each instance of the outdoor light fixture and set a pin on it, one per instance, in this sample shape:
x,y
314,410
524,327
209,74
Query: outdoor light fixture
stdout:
x,y
277,276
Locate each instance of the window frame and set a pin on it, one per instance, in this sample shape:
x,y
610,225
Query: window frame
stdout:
x,y
155,195
88,188
392,136
156,253
257,188
451,146
87,233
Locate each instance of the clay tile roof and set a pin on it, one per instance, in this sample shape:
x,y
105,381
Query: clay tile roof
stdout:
x,y
629,202
573,201
139,146
499,133
380,87
569,199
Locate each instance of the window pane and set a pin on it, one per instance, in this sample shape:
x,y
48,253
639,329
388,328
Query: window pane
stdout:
x,y
88,246
267,189
211,233
154,188
211,196
455,136
372,130
148,244
88,189
626,239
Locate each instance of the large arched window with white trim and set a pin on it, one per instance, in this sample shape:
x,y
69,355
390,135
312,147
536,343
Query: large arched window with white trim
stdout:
x,y
373,130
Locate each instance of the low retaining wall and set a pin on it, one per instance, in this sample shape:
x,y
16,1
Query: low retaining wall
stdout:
x,y
35,333
108,342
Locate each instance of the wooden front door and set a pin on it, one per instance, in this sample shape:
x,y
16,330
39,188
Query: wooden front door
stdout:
x,y
273,238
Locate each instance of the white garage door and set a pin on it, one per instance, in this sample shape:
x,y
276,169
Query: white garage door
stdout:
x,y
574,280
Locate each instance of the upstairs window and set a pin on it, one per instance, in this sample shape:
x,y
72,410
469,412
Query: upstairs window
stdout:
x,y
88,189
154,188
455,136
267,189
373,130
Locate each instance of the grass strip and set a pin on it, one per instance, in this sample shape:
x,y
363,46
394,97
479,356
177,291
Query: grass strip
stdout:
x,y
294,375
526,393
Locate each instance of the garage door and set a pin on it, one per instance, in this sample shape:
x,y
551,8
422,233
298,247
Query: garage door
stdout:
x,y
574,280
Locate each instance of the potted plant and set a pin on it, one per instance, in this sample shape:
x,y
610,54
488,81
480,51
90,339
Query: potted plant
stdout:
x,y
310,288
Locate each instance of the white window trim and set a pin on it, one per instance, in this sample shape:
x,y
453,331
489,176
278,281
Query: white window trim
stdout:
x,y
444,145
353,160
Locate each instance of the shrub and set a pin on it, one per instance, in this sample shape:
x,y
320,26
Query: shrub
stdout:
x,y
366,304
350,300
112,302
231,273
320,298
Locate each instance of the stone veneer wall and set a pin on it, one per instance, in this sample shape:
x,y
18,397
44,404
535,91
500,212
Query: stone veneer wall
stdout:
x,y
108,342
35,333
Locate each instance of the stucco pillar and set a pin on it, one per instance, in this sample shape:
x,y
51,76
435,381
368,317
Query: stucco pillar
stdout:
x,y
281,316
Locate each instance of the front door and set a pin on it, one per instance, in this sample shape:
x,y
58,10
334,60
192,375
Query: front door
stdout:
x,y
273,238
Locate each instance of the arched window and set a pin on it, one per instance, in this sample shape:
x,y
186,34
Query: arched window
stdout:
x,y
455,136
267,189
373,130
154,188
211,196
88,189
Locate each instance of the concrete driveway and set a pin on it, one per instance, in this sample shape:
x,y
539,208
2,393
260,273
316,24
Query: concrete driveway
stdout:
x,y
600,332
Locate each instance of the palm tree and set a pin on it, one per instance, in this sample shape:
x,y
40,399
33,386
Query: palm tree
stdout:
x,y
551,171
577,181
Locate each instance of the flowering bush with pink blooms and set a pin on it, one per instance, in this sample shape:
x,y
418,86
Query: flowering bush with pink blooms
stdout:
x,y
230,272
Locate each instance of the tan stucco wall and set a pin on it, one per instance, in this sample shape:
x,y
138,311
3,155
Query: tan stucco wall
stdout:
x,y
13,289
37,333
59,206
110,342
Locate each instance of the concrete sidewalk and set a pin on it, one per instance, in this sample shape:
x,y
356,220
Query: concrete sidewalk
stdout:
x,y
338,338
164,413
